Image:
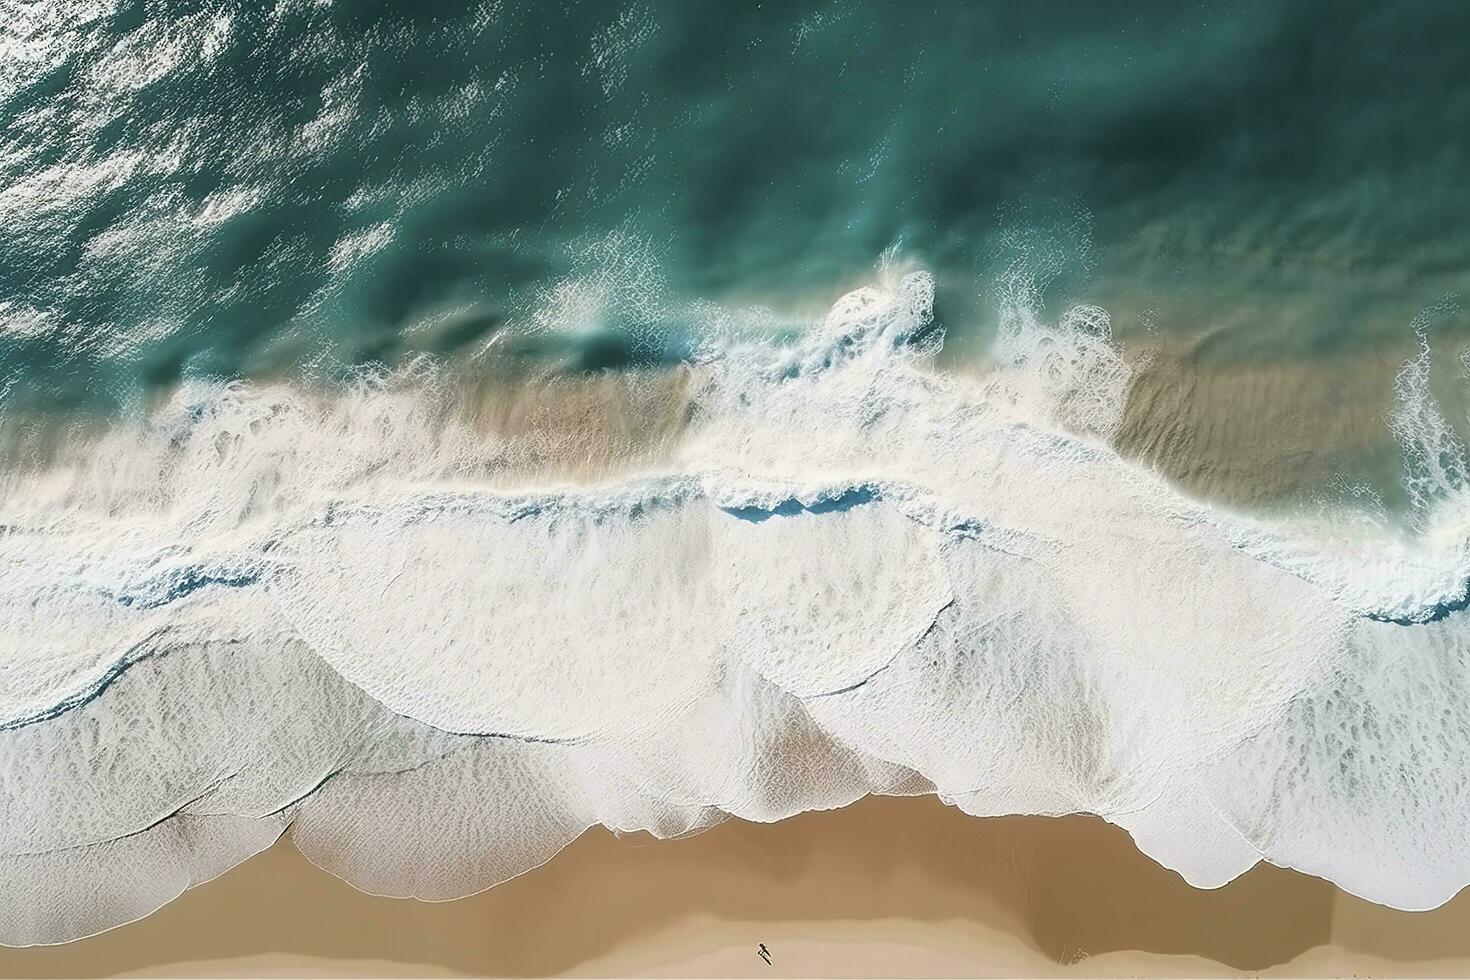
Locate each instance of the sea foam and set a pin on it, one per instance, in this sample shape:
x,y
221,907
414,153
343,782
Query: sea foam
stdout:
x,y
848,573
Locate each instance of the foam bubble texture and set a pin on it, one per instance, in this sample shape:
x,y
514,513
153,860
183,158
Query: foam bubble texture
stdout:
x,y
850,574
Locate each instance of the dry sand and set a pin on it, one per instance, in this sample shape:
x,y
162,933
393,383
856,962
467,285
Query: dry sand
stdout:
x,y
888,887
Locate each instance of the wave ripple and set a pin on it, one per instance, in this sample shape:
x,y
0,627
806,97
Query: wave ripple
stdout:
x,y
849,574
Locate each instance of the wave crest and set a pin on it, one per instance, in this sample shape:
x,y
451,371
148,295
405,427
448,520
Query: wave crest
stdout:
x,y
377,621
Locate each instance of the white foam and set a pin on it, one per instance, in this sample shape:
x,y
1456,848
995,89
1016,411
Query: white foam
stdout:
x,y
851,574
63,895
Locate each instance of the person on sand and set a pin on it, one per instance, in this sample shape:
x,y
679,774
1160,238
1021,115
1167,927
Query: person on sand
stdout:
x,y
764,954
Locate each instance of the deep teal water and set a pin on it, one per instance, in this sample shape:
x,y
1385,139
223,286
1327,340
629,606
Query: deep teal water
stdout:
x,y
246,189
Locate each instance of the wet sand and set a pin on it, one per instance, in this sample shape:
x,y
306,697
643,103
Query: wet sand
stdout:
x,y
887,887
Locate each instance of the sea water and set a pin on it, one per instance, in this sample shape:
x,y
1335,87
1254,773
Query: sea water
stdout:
x,y
434,430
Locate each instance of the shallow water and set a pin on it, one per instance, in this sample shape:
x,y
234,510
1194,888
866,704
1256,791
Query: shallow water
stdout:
x,y
438,431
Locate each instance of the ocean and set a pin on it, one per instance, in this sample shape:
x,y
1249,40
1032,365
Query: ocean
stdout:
x,y
431,430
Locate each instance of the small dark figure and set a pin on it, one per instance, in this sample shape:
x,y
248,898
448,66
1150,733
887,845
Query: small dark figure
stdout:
x,y
764,954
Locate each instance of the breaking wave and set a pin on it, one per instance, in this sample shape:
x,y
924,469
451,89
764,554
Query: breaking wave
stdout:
x,y
406,636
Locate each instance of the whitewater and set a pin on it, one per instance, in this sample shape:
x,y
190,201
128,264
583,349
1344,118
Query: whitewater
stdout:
x,y
434,659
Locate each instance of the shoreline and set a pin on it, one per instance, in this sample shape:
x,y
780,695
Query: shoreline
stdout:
x,y
890,886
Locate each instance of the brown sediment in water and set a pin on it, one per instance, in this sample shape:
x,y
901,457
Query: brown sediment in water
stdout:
x,y
486,430
887,887
585,426
1250,433
1239,433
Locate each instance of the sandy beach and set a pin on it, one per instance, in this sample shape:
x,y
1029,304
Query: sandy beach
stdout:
x,y
887,887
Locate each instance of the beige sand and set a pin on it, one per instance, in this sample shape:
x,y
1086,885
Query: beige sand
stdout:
x,y
888,887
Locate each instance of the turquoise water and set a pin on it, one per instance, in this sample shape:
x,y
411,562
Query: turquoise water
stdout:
x,y
436,430
247,190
